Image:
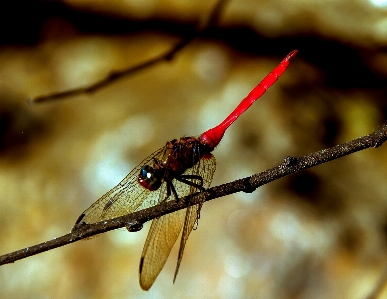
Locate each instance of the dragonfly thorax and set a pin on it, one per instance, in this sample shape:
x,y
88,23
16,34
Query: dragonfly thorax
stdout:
x,y
175,159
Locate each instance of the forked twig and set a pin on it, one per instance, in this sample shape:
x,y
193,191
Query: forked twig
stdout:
x,y
116,75
134,221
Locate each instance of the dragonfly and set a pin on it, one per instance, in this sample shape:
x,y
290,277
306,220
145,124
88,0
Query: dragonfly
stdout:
x,y
178,169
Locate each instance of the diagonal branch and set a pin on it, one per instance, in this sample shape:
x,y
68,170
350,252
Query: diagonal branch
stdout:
x,y
210,21
134,221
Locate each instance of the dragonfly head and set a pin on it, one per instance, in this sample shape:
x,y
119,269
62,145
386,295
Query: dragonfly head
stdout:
x,y
149,178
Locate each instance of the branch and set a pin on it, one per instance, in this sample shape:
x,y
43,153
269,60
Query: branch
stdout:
x,y
134,221
116,75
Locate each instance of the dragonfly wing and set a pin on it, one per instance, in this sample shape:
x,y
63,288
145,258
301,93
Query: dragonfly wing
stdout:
x,y
165,230
161,237
206,169
123,199
191,218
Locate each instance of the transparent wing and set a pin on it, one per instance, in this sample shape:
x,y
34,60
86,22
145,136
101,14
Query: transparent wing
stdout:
x,y
206,170
165,230
123,199
161,237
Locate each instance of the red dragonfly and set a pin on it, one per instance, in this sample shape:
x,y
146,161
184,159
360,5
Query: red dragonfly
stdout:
x,y
180,168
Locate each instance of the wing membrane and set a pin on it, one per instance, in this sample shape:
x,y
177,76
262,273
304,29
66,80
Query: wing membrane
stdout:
x,y
161,237
165,230
206,170
123,199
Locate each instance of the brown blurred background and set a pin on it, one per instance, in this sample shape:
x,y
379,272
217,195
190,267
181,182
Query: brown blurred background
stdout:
x,y
320,233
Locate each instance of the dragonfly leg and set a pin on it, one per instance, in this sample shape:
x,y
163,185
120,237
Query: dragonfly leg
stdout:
x,y
195,177
171,187
184,179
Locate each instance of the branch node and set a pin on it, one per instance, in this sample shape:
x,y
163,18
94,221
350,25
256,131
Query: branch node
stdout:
x,y
134,226
380,138
249,188
289,161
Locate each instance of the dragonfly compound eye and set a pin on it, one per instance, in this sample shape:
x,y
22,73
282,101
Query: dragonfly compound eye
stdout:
x,y
149,178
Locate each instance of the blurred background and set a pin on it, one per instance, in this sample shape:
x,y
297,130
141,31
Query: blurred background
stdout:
x,y
320,233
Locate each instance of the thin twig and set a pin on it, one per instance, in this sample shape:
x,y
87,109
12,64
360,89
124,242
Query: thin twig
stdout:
x,y
116,75
134,221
